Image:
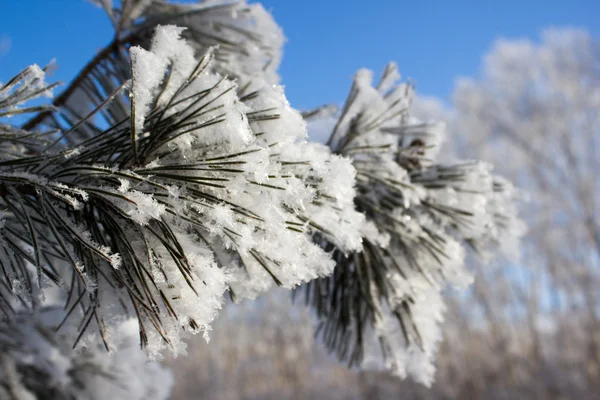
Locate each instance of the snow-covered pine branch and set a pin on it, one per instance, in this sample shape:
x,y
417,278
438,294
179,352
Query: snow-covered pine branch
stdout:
x,y
244,38
420,216
39,363
159,214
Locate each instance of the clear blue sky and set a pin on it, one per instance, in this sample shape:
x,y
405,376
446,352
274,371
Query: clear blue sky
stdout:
x,y
432,41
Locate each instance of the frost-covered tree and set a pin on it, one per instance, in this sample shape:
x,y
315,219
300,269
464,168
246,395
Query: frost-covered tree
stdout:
x,y
537,101
172,170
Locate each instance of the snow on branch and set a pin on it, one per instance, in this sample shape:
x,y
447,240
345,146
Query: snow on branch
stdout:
x,y
37,362
204,187
420,218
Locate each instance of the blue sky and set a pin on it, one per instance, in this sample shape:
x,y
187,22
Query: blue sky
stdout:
x,y
433,42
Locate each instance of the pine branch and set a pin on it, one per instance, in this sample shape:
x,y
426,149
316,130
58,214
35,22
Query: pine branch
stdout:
x,y
36,362
419,216
59,101
229,25
160,212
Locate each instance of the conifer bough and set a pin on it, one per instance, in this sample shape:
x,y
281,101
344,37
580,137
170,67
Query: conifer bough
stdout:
x,y
171,171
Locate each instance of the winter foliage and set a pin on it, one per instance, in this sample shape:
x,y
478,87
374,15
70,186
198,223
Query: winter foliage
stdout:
x,y
173,170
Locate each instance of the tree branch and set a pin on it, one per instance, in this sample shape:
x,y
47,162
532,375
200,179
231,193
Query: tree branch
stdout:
x,y
62,99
